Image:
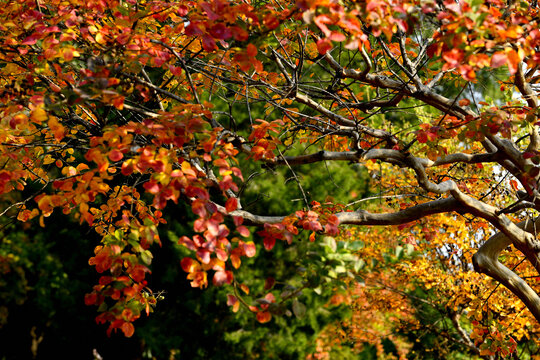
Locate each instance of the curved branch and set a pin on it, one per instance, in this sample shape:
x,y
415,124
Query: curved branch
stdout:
x,y
486,261
391,156
362,217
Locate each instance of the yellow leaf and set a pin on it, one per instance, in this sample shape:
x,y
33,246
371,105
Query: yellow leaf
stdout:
x,y
100,39
39,115
48,160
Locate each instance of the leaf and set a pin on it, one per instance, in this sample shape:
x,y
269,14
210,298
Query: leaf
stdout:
x,y
269,243
298,308
421,136
222,277
116,155
235,260
251,50
464,102
498,59
269,283
146,257
249,249
244,288
323,46
243,231
233,301
188,264
399,252
176,71
231,204
330,242
355,245
264,317
359,265
512,60
128,329
409,249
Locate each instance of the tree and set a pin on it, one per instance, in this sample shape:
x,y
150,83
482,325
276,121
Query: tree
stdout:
x,y
114,112
419,298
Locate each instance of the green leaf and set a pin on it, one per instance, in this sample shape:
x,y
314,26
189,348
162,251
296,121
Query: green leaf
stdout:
x,y
298,308
146,257
330,242
359,265
399,252
409,249
356,245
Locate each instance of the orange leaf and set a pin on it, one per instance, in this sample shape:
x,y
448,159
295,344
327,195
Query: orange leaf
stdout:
x,y
235,260
264,317
128,329
244,288
513,60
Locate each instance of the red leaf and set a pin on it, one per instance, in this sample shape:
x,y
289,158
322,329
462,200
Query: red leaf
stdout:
x,y
152,187
238,220
231,300
231,204
137,273
323,45
269,283
498,59
239,33
188,264
453,57
176,71
242,230
220,31
271,21
127,167
251,50
187,242
208,43
30,40
222,277
203,255
193,191
269,243
514,184
90,299
116,155
198,208
421,136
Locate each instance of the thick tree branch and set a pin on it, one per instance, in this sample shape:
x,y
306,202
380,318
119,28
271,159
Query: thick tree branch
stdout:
x,y
362,217
486,261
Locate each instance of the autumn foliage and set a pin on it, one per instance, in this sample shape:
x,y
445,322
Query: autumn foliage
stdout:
x,y
114,112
